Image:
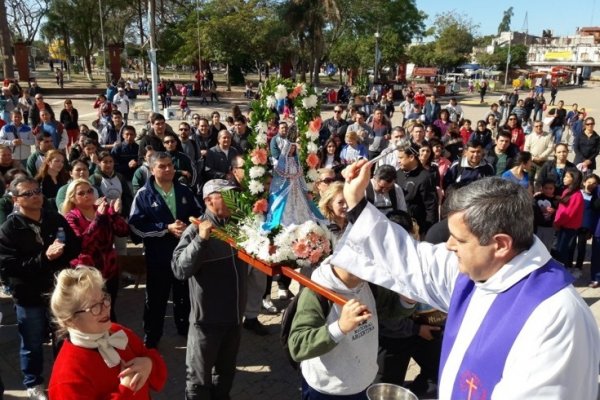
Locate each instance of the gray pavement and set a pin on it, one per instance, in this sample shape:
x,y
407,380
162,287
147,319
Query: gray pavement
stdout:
x,y
263,372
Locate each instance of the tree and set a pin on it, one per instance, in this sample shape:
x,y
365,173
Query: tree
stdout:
x,y
7,64
25,17
505,23
454,39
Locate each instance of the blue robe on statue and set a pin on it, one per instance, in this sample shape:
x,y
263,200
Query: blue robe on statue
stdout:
x,y
288,200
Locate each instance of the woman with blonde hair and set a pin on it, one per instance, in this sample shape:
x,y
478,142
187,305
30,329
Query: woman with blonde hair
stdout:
x,y
333,206
96,223
52,175
99,359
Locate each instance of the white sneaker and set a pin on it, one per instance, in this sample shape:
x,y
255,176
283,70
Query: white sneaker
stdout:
x,y
284,294
37,393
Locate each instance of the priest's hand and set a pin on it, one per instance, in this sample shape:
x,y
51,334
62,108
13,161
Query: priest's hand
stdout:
x,y
357,177
204,229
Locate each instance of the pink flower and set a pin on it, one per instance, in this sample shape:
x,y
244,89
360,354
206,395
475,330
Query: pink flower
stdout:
x,y
312,160
301,249
258,156
315,256
315,124
260,207
296,92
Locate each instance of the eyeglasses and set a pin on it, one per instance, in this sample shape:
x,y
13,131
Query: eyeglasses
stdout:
x,y
169,141
590,123
29,193
82,193
96,309
327,181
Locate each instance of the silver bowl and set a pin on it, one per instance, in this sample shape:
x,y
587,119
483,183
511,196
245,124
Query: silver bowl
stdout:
x,y
387,391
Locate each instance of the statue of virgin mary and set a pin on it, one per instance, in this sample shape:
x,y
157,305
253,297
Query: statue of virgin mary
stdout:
x,y
288,195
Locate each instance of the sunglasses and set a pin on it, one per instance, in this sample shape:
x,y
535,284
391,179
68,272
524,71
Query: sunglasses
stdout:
x,y
82,193
29,193
590,123
169,141
337,111
327,181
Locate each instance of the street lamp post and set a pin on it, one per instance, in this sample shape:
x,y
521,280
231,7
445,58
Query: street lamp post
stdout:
x,y
377,36
103,47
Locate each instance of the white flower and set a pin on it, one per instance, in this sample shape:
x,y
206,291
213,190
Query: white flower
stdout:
x,y
256,172
271,102
312,148
261,139
312,135
310,101
256,187
281,92
303,92
312,175
261,127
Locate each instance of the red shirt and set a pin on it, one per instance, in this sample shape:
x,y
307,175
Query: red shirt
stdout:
x,y
80,373
420,98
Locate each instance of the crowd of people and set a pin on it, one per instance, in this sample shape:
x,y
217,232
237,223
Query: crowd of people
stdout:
x,y
74,196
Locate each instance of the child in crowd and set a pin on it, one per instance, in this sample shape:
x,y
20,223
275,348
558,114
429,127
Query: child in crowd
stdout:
x,y
466,131
590,219
337,350
185,108
544,208
569,218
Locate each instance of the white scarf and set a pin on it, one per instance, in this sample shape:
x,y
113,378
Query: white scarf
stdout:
x,y
104,342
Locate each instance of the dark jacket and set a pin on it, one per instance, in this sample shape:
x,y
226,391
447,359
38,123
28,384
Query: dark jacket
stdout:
x,y
511,155
218,164
23,263
217,278
586,148
34,114
549,172
461,174
420,196
150,217
123,153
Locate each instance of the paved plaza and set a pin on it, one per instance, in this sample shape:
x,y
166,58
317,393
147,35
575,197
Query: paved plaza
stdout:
x,y
263,371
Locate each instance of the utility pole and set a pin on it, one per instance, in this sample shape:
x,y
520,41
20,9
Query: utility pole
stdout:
x,y
507,59
152,55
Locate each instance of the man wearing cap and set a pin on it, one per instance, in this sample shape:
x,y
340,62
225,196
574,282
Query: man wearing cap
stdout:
x,y
122,102
218,292
159,215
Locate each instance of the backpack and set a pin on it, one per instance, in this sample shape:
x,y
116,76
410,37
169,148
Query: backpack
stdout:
x,y
287,318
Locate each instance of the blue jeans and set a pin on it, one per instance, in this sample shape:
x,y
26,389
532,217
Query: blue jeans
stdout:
x,y
32,323
557,132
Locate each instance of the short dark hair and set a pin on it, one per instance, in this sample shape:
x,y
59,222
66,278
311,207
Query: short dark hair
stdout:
x,y
386,173
157,117
474,143
116,112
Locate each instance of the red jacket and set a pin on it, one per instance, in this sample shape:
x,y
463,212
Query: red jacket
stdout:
x,y
80,373
570,215
97,239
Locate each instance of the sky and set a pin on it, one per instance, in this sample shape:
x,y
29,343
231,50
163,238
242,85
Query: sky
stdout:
x,y
541,14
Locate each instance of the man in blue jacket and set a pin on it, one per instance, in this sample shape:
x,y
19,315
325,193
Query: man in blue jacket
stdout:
x,y
159,216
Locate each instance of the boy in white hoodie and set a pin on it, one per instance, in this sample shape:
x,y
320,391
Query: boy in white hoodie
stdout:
x,y
338,351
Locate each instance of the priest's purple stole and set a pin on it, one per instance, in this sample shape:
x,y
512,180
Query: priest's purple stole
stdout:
x,y
483,363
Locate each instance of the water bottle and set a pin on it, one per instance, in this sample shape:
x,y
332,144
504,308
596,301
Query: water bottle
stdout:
x,y
60,235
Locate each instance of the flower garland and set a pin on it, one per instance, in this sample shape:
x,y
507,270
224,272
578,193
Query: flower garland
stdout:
x,y
308,122
304,244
